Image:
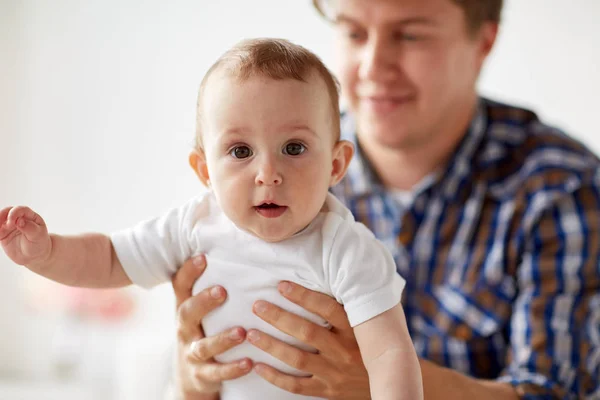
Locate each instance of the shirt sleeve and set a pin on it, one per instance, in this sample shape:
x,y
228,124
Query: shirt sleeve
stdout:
x,y
151,251
362,273
555,327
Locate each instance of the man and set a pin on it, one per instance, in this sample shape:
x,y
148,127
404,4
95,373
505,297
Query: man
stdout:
x,y
493,219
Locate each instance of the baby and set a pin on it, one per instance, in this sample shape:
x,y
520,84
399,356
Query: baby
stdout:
x,y
268,150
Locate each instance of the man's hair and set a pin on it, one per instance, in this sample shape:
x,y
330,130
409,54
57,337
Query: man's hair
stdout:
x,y
274,59
476,11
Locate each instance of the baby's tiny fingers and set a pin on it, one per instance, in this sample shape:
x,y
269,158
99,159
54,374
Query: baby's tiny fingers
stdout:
x,y
24,212
4,215
30,229
5,228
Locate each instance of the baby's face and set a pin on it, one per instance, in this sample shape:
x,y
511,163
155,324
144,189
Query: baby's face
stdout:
x,y
269,148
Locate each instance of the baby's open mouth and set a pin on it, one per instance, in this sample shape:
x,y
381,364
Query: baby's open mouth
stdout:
x,y
270,210
269,205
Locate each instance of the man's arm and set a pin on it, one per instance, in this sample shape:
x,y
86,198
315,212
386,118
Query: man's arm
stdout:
x,y
445,383
555,329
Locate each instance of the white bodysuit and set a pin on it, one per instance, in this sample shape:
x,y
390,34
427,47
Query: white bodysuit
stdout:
x,y
334,255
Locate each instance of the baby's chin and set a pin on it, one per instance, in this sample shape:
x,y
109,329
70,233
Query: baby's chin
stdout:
x,y
275,235
272,237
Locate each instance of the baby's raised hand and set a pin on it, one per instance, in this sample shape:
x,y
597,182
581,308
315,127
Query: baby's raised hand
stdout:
x,y
24,236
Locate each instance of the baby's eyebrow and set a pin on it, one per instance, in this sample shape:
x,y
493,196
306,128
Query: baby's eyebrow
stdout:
x,y
298,127
236,131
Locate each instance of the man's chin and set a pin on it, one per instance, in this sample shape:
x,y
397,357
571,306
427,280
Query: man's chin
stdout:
x,y
388,134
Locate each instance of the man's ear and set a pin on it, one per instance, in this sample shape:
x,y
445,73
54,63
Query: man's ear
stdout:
x,y
487,38
342,155
197,161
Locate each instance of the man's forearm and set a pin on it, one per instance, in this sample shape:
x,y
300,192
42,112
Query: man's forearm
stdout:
x,y
447,384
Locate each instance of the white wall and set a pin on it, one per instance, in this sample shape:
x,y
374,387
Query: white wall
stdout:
x,y
548,58
97,101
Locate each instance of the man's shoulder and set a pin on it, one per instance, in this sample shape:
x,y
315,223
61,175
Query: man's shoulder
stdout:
x,y
339,221
522,153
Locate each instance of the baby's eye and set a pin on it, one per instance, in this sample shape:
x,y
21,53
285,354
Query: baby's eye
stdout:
x,y
241,152
294,149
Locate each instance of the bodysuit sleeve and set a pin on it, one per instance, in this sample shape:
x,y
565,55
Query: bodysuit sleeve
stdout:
x,y
362,273
153,250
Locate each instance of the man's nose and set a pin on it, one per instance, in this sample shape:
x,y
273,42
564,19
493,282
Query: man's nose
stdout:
x,y
268,174
378,61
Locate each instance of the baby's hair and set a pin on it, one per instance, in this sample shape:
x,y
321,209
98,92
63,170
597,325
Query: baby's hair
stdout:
x,y
275,59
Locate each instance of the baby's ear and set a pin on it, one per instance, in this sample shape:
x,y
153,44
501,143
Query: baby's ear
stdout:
x,y
342,155
197,161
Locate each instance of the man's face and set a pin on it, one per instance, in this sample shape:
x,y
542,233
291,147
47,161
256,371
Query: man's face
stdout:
x,y
269,151
408,68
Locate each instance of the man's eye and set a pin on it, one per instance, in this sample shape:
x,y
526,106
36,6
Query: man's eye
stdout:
x,y
355,35
407,37
241,152
294,149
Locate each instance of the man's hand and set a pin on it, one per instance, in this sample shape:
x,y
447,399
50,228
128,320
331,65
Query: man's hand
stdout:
x,y
198,375
24,236
337,369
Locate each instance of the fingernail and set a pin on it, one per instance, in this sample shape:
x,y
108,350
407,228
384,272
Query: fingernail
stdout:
x,y
244,364
260,307
198,261
20,223
259,369
235,335
194,347
216,292
285,287
253,336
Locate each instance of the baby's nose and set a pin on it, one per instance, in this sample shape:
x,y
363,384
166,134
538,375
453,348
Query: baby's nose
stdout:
x,y
268,175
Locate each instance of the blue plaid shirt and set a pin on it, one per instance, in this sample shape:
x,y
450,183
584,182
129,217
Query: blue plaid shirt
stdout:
x,y
501,254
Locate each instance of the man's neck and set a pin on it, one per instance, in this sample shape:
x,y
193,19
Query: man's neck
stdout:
x,y
403,168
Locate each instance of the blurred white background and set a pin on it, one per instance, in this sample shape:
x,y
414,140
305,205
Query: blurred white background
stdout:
x,y
97,118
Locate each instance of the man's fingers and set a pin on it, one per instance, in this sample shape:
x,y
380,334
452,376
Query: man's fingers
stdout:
x,y
216,373
307,332
318,303
183,281
192,311
207,348
292,356
294,384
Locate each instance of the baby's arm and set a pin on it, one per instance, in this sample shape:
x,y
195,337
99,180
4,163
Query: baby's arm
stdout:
x,y
389,356
84,260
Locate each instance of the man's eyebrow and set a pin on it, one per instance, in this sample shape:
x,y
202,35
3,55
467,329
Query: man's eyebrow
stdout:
x,y
341,18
